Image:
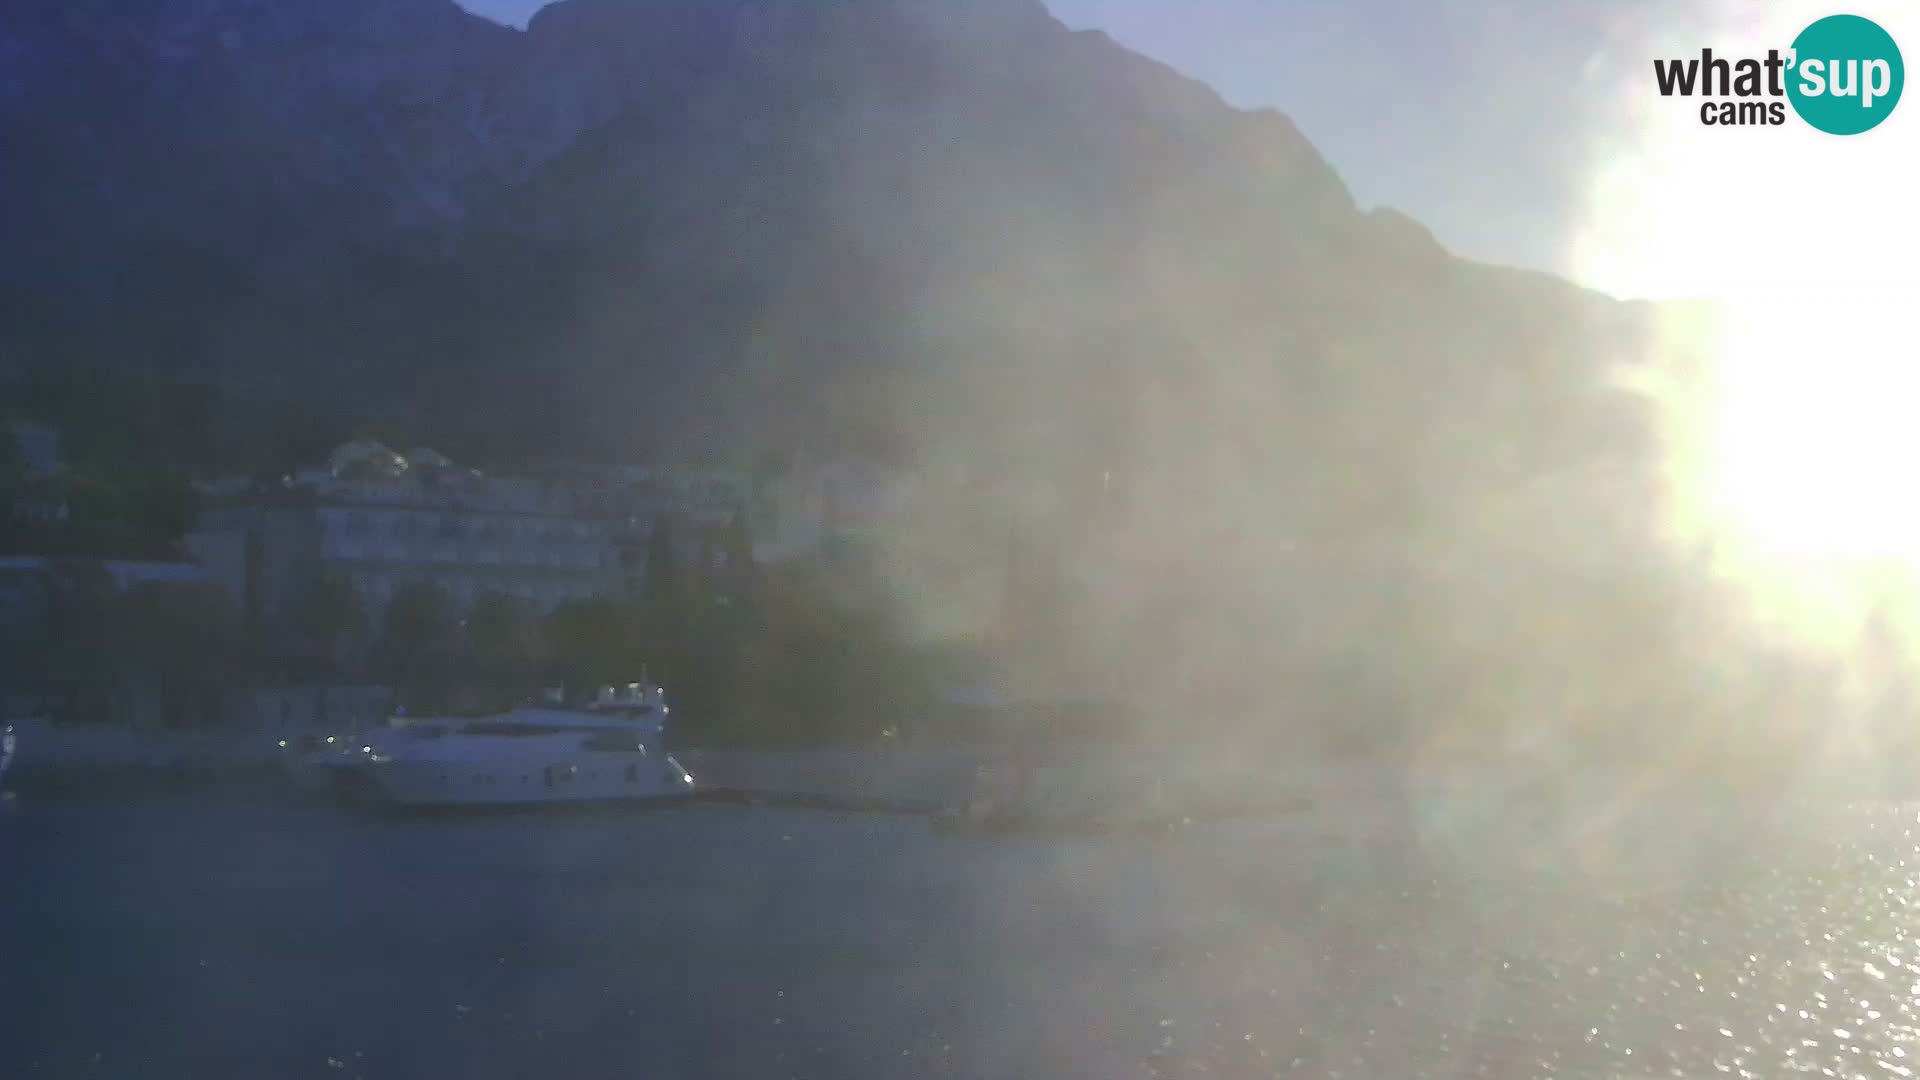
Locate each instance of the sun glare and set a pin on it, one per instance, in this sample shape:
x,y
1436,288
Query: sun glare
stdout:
x,y
1797,459
1811,439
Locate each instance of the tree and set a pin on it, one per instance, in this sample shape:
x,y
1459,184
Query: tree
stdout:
x,y
417,642
186,638
824,659
13,463
594,642
504,648
15,487
739,571
664,616
496,631
108,509
77,656
158,506
662,582
326,636
711,645
327,628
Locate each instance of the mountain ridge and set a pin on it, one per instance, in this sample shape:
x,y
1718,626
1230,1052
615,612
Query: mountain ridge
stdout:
x,y
739,204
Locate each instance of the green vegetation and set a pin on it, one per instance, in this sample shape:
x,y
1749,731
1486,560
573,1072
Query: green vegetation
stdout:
x,y
108,510
68,663
804,654
418,645
111,414
118,492
186,641
183,641
324,634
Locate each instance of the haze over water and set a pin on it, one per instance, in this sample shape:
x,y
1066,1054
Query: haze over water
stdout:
x,y
165,938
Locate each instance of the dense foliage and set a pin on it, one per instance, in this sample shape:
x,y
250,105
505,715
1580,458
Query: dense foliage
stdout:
x,y
800,655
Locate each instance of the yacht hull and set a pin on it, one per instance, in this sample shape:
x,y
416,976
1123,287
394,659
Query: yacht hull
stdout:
x,y
415,783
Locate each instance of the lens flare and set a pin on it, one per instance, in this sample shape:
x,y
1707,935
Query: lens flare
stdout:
x,y
1793,449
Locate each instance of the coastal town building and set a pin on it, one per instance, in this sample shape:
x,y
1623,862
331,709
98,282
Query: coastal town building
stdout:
x,y
377,522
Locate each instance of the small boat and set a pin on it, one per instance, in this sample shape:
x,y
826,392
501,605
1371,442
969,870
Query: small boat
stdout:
x,y
608,749
8,740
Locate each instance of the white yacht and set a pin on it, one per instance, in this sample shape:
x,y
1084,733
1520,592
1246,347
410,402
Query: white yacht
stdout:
x,y
609,749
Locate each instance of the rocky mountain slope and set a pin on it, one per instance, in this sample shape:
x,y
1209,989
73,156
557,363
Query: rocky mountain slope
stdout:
x,y
956,234
714,205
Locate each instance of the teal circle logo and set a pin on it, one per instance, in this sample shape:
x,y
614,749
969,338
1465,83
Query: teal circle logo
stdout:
x,y
1846,74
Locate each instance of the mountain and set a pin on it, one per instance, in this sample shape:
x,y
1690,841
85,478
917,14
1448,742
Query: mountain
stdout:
x,y
958,235
712,205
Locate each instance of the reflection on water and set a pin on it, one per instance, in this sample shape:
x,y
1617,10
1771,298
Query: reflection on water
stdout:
x,y
169,938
